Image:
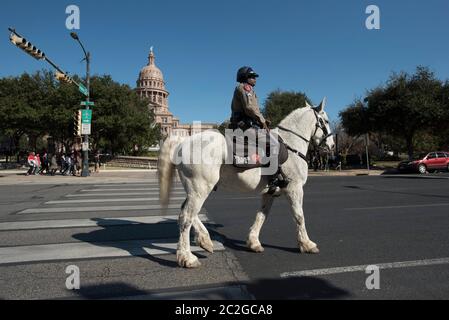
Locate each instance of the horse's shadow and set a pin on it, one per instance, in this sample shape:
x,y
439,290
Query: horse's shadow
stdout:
x,y
240,245
115,233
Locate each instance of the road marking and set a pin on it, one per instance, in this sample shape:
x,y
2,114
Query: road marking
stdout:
x,y
404,206
110,200
118,194
141,184
85,250
93,209
95,222
243,198
128,189
393,265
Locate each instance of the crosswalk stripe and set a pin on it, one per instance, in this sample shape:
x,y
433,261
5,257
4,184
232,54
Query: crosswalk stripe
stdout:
x,y
91,209
128,189
95,222
110,200
84,250
126,184
118,194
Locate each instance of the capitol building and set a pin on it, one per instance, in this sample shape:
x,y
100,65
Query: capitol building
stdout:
x,y
151,85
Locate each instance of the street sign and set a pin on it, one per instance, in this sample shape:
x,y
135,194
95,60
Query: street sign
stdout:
x,y
86,128
88,103
83,89
86,116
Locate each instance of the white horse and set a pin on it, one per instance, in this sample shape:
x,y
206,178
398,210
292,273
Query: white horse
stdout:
x,y
303,126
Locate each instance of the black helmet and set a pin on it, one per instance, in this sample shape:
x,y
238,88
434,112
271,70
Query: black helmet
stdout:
x,y
244,73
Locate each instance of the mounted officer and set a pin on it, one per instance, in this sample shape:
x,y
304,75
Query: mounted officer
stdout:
x,y
245,106
246,115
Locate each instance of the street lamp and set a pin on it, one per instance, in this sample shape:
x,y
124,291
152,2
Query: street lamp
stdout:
x,y
85,172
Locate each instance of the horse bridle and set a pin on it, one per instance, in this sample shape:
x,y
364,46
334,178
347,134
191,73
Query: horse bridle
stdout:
x,y
320,124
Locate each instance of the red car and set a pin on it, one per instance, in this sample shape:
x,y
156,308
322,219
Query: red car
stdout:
x,y
426,162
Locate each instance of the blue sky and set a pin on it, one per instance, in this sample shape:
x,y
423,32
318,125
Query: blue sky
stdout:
x,y
319,47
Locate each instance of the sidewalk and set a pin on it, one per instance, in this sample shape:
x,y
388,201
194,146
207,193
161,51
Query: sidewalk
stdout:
x,y
18,177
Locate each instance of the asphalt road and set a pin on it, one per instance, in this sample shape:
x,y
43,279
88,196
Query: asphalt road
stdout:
x,y
123,243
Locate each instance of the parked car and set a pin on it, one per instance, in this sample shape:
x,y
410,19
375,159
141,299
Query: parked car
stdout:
x,y
425,162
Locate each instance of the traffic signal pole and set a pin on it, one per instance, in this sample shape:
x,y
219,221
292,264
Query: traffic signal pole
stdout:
x,y
42,56
86,172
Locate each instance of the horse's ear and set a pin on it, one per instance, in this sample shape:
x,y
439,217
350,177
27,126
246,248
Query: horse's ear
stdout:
x,y
320,108
308,105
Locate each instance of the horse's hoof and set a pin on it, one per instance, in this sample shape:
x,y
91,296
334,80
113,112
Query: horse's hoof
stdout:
x,y
314,250
311,249
206,244
188,261
255,247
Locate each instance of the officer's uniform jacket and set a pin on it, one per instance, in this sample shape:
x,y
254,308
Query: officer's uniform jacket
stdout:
x,y
246,105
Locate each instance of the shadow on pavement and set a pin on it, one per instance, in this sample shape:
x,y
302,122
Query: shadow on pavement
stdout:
x,y
109,232
109,291
239,245
295,288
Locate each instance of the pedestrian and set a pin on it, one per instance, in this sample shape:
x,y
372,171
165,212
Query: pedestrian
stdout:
x,y
74,163
97,162
45,163
37,159
31,163
64,164
53,165
79,163
315,161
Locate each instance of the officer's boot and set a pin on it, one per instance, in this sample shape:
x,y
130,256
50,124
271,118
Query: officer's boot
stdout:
x,y
277,182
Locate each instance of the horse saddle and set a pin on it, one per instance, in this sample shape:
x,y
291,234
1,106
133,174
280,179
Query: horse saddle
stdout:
x,y
253,150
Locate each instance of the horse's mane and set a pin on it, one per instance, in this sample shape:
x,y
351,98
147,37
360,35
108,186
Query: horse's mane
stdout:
x,y
295,115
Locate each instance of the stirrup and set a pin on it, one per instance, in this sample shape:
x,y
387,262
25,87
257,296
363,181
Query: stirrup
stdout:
x,y
274,191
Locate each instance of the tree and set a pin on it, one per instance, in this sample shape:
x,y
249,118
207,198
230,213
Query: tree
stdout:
x,y
36,105
407,106
354,119
121,119
280,104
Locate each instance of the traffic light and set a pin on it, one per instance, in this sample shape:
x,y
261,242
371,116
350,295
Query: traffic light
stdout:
x,y
62,77
26,46
77,123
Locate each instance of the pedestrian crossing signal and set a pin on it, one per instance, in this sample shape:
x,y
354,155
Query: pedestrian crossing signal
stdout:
x,y
78,123
62,77
26,46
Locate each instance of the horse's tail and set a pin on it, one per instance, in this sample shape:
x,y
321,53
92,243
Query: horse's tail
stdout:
x,y
166,169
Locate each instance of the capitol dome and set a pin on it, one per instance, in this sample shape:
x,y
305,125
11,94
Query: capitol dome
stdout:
x,y
151,84
151,72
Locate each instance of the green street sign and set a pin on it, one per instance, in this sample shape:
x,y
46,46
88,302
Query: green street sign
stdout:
x,y
87,103
86,116
83,90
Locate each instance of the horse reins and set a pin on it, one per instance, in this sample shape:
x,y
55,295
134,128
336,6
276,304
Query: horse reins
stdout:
x,y
318,125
